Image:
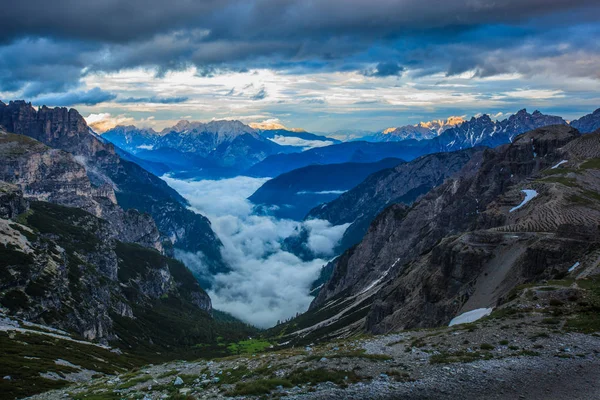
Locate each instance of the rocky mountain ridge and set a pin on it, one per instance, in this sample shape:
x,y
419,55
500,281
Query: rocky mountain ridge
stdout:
x,y
63,267
134,187
467,243
403,184
420,131
225,144
588,123
55,176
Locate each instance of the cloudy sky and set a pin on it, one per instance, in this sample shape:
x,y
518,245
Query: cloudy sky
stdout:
x,y
320,65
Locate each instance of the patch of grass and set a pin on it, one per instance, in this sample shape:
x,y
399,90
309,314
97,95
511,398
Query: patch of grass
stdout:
x,y
486,346
134,381
592,163
41,352
249,346
539,335
557,171
167,374
570,182
550,321
314,376
528,353
584,323
504,342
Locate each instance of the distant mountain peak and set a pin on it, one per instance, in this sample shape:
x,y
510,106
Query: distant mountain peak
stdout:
x,y
273,125
440,125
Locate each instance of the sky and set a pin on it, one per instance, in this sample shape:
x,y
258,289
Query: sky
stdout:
x,y
319,65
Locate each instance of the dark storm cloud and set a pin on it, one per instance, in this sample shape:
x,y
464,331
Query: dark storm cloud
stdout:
x,y
49,48
123,21
88,98
154,99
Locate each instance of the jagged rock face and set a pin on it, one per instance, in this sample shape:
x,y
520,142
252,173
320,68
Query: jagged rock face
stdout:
x,y
482,131
460,247
12,202
57,127
416,132
403,184
588,123
62,267
52,175
135,188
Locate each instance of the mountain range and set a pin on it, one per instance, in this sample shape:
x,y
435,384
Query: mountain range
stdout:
x,y
507,216
212,150
220,149
491,227
420,131
115,179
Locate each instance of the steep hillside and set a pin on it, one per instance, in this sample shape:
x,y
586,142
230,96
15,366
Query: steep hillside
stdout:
x,y
67,285
293,194
403,184
528,212
134,187
47,174
62,267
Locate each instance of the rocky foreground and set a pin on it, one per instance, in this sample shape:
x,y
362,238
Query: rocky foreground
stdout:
x,y
509,355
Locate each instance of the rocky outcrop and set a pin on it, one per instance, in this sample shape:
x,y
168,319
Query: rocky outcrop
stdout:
x,y
466,244
588,123
134,187
55,176
12,202
63,267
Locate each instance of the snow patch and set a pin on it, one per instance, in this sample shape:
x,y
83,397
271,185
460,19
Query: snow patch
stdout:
x,y
529,195
559,164
145,147
574,266
376,281
470,316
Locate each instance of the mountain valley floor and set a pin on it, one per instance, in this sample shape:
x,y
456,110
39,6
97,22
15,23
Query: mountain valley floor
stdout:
x,y
513,353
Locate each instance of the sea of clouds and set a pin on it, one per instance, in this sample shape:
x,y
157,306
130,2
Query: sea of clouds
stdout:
x,y
266,284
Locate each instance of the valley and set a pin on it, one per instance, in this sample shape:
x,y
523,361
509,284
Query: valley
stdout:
x,y
147,264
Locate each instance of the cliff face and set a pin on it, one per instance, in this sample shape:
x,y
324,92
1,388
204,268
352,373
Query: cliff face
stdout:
x,y
55,176
133,187
63,267
467,243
